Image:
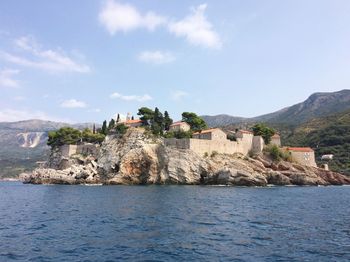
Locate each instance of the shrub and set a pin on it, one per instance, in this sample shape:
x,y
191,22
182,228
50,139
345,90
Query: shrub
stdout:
x,y
214,153
277,154
206,154
121,129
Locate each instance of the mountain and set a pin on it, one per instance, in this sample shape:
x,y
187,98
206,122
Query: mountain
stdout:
x,y
327,135
224,120
317,105
23,143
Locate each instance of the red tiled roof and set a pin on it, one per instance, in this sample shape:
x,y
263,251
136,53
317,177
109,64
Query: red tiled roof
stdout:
x,y
206,131
178,123
133,121
300,149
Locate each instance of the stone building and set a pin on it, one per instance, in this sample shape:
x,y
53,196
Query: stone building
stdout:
x,y
302,155
276,140
215,140
210,134
84,149
179,126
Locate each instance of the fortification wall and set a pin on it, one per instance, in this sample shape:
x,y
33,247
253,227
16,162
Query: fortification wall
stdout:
x,y
258,144
304,158
68,150
85,149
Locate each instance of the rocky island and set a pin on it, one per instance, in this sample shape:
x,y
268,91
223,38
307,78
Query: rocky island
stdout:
x,y
139,158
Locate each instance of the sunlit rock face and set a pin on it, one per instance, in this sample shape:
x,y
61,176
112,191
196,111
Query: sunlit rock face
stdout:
x,y
31,139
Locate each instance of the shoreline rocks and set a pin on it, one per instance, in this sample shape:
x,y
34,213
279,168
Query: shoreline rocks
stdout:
x,y
139,159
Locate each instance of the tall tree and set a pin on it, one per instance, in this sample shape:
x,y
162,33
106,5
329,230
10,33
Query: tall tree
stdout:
x,y
264,131
104,128
158,122
94,129
146,115
111,124
118,118
167,121
194,121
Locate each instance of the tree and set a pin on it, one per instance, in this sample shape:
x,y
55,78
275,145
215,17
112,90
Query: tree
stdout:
x,y
146,115
118,118
104,128
64,136
167,121
132,118
94,129
90,137
264,131
196,123
111,124
121,129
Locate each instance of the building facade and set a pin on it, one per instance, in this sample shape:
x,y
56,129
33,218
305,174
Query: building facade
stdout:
x,y
302,155
179,126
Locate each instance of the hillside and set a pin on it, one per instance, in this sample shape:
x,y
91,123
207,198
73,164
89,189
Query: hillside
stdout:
x,y
23,143
327,135
317,105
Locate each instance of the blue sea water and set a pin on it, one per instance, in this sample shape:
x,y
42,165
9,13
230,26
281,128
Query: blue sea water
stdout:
x,y
173,223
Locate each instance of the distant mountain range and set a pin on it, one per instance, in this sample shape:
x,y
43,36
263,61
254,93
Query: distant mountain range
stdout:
x,y
317,105
23,143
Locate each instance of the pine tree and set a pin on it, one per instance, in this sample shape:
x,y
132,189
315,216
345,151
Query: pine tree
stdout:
x,y
104,128
132,118
167,121
158,122
94,129
118,118
111,124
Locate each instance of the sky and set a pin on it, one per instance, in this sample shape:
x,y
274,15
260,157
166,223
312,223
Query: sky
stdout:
x,y
85,61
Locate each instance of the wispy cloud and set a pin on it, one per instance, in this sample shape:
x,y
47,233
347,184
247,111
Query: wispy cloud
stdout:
x,y
137,98
94,110
73,103
156,57
47,60
7,78
197,29
12,115
178,95
116,17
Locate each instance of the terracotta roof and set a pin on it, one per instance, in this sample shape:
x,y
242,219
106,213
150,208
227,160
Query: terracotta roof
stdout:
x,y
178,123
133,121
300,149
207,131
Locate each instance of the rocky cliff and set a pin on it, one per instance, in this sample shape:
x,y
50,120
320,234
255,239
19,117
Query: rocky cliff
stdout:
x,y
139,158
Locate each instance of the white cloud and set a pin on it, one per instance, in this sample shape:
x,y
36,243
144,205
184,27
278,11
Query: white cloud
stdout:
x,y
11,115
7,80
73,103
178,95
137,98
47,60
124,17
156,57
197,29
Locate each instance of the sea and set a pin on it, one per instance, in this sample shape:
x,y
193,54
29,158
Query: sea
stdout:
x,y
173,223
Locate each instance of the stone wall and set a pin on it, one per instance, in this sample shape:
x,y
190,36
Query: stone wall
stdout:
x,y
85,149
304,158
204,146
246,143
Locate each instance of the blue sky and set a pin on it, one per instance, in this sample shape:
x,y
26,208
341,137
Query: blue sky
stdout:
x,y
81,61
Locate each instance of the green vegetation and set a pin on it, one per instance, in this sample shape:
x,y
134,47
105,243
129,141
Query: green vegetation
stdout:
x,y
104,129
214,153
178,134
326,135
155,120
71,136
264,131
121,129
196,122
278,154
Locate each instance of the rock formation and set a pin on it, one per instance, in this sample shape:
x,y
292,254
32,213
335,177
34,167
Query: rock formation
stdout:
x,y
139,158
